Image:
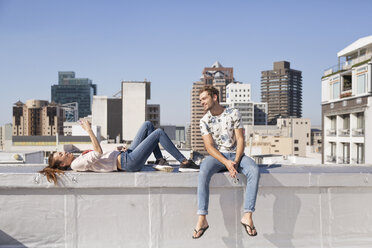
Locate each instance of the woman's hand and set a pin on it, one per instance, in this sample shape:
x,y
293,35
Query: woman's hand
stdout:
x,y
85,124
123,148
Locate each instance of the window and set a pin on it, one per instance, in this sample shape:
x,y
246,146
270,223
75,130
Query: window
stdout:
x,y
333,123
361,83
360,120
360,154
346,124
347,82
296,141
335,90
333,148
296,149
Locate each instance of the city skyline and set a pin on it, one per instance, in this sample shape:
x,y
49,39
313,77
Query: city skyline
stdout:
x,y
169,44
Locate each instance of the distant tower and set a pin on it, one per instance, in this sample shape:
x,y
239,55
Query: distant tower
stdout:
x,y
219,77
281,89
70,89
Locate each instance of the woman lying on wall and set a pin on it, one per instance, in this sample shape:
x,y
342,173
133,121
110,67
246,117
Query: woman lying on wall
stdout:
x,y
131,160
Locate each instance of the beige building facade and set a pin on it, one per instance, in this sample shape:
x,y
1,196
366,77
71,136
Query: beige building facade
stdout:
x,y
37,118
290,136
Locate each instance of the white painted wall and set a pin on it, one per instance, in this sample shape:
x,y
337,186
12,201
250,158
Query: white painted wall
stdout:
x,y
238,93
368,132
325,90
134,107
297,206
99,114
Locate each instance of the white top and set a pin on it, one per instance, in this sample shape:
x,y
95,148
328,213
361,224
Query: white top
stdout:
x,y
222,128
94,161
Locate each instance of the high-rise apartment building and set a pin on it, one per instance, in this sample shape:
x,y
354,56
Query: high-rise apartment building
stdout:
x,y
281,89
70,89
219,77
37,117
346,106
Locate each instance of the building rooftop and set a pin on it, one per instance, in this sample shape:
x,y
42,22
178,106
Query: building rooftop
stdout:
x,y
358,44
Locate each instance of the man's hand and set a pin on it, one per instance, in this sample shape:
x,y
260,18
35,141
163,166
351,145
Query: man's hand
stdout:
x,y
231,166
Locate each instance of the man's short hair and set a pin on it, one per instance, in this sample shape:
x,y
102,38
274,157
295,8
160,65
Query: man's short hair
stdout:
x,y
211,91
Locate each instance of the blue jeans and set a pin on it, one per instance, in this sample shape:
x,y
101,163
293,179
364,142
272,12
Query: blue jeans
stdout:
x,y
146,142
210,166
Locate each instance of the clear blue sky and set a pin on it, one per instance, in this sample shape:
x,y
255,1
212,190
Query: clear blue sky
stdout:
x,y
169,43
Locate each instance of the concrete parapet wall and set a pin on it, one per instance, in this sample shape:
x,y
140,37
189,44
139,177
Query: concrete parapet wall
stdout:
x,y
297,206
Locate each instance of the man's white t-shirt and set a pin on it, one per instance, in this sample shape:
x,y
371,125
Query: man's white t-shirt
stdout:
x,y
222,127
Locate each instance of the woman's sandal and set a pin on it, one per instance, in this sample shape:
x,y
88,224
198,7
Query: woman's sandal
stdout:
x,y
202,230
250,228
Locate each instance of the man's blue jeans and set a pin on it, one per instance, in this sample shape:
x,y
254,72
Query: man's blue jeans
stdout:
x,y
146,142
210,166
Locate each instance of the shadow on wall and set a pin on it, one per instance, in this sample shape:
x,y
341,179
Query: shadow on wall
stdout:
x,y
232,214
285,213
8,241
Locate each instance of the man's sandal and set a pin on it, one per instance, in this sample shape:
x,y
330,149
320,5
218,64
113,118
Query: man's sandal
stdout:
x,y
202,230
250,228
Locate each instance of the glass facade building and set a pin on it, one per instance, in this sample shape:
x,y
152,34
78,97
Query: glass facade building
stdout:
x,y
70,89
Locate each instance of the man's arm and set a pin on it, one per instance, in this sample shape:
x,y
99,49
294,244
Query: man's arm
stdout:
x,y
86,126
230,165
240,144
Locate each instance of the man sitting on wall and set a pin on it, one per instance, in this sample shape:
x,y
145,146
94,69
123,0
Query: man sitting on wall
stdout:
x,y
223,138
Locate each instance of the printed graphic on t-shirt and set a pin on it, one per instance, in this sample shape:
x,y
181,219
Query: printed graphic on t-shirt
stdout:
x,y
222,128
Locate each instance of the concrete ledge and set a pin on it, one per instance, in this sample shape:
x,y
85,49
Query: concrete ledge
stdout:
x,y
297,206
283,176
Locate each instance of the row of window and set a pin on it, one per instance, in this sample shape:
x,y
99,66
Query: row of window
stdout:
x,y
337,88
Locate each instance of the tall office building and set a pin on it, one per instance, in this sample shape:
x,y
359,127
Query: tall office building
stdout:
x,y
37,117
70,89
346,106
281,89
219,77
